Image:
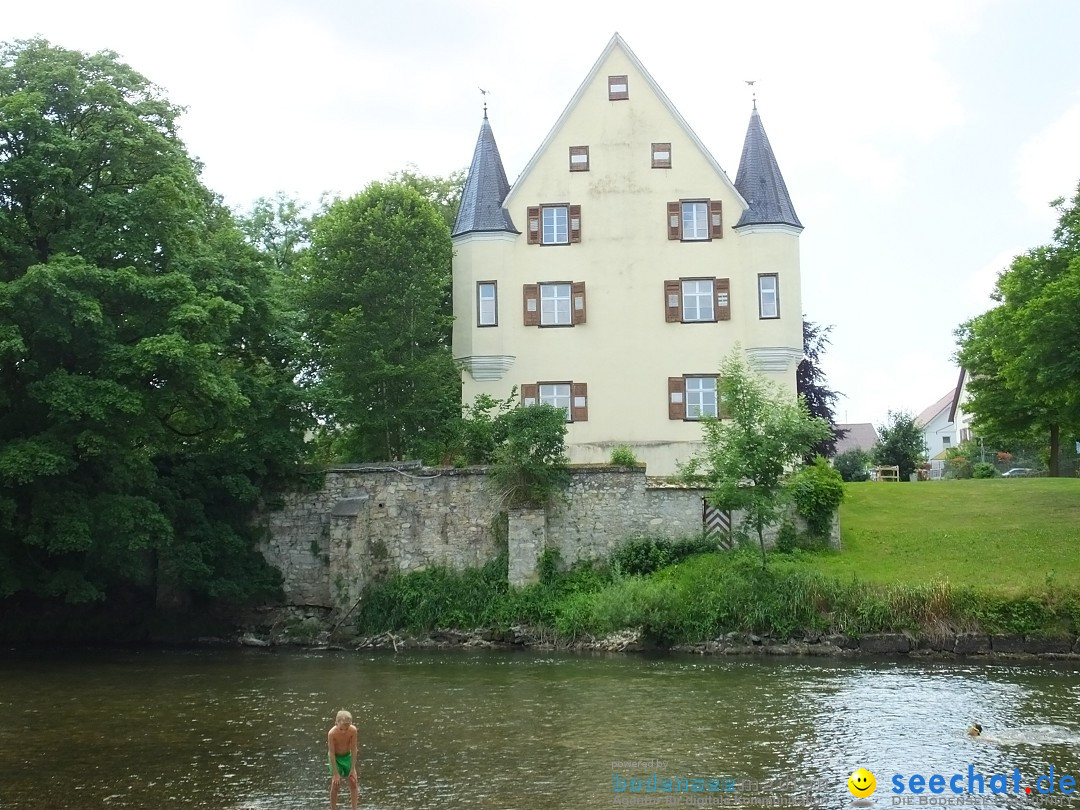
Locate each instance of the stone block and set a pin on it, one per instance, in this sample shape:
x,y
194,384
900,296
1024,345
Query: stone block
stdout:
x,y
1042,646
970,643
1007,644
885,643
939,642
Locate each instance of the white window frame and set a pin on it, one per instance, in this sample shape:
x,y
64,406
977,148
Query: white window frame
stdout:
x,y
556,304
556,395
487,316
555,225
700,291
695,220
701,397
768,295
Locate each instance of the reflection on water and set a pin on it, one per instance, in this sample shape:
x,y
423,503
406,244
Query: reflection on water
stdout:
x,y
246,729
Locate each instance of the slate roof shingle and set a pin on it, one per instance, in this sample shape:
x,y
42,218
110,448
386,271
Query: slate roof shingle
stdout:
x,y
485,189
760,183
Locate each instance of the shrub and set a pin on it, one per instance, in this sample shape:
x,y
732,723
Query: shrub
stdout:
x,y
817,491
623,456
787,538
984,469
530,465
644,555
853,465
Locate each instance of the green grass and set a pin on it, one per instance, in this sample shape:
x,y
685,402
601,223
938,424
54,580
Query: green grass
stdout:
x,y
990,556
1012,535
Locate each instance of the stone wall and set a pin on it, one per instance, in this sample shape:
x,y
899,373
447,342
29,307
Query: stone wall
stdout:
x,y
371,520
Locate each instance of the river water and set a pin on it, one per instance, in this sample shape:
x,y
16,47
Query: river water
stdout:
x,y
246,729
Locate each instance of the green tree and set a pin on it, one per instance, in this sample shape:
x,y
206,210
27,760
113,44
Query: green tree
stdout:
x,y
443,192
852,465
376,302
1023,355
814,388
280,228
529,466
750,453
900,444
146,395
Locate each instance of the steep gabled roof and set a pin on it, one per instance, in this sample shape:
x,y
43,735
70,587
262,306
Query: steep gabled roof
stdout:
x,y
618,42
935,410
485,189
857,436
760,182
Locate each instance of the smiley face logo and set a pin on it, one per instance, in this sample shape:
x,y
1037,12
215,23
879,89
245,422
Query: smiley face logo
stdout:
x,y
861,783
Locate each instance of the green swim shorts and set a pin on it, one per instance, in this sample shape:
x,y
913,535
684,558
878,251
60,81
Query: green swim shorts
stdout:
x,y
344,763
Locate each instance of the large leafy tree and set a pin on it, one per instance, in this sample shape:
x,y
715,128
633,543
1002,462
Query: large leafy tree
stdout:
x,y
813,387
750,453
900,443
443,192
146,395
1023,356
376,296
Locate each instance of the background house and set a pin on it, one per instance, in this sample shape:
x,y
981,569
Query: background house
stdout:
x,y
857,436
939,433
622,266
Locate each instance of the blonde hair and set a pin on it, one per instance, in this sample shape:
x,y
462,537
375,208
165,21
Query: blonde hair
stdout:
x,y
343,715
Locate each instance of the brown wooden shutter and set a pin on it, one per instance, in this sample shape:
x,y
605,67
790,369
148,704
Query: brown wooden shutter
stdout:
x,y
530,304
673,301
530,393
661,155
579,402
716,219
674,220
582,155
574,214
722,294
676,398
532,225
618,88
577,302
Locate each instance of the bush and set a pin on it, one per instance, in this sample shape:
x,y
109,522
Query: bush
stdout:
x,y
787,538
623,456
853,465
645,555
817,491
984,469
530,465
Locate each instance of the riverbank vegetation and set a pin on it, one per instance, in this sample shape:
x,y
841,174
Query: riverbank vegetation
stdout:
x,y
992,556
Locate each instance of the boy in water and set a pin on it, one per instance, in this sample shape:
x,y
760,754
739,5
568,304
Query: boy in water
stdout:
x,y
344,758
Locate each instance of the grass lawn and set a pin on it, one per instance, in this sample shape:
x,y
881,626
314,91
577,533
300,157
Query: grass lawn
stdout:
x,y
1012,534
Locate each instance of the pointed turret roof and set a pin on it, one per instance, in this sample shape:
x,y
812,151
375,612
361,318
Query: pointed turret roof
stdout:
x,y
485,189
760,182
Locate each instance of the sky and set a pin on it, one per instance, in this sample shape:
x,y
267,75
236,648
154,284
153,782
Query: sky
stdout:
x,y
921,142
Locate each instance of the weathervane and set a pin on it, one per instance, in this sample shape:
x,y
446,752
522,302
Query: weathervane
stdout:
x,y
753,94
484,93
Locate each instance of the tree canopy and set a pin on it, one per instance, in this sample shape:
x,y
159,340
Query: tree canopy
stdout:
x,y
1023,356
147,400
900,444
376,296
751,451
813,387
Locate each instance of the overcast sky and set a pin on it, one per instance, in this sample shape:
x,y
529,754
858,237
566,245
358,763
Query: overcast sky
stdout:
x,y
921,141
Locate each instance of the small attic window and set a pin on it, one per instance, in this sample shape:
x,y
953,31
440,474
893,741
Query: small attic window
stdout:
x,y
579,158
617,88
661,155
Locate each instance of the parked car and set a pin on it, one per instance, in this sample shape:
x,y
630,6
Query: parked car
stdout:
x,y
1018,472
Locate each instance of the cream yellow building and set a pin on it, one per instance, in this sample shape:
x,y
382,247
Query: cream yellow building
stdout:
x,y
621,268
